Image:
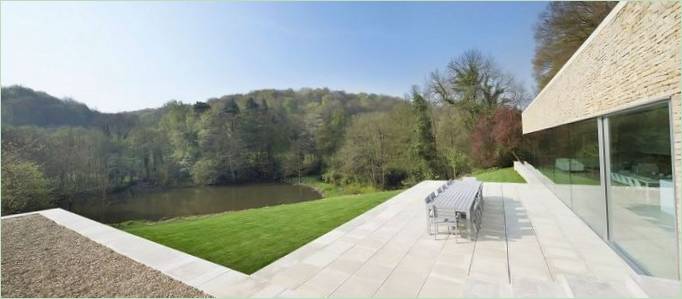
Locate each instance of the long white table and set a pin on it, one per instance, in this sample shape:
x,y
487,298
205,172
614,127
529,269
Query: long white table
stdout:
x,y
464,197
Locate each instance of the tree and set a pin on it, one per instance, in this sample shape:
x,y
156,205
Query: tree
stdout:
x,y
178,124
363,156
300,156
507,131
332,121
483,149
24,187
452,139
476,85
201,107
559,32
206,171
496,138
377,149
220,146
424,145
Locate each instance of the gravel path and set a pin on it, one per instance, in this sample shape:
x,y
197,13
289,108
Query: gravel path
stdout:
x,y
43,259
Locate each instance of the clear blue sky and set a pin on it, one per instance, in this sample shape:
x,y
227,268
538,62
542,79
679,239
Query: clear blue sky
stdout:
x,y
117,56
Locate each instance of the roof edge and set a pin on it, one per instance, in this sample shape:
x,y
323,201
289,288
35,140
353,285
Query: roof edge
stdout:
x,y
589,39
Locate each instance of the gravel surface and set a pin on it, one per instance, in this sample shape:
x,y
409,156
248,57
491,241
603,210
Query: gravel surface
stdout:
x,y
43,259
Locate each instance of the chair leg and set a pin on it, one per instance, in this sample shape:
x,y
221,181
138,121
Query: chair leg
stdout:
x,y
435,234
428,226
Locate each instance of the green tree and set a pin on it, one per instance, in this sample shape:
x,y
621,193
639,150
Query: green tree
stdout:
x,y
178,124
424,145
300,158
376,149
452,139
333,121
220,146
24,187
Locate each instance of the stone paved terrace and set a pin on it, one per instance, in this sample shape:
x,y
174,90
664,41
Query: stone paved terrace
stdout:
x,y
530,245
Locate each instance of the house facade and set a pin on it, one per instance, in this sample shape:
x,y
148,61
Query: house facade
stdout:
x,y
604,134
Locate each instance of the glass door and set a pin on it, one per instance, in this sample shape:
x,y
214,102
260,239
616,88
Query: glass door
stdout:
x,y
640,193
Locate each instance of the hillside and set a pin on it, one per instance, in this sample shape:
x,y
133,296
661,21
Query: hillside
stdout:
x,y
24,106
61,148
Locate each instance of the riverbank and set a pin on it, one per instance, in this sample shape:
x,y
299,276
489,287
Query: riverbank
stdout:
x,y
251,239
331,190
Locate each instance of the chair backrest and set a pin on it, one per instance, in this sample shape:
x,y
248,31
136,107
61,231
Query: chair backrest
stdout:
x,y
429,198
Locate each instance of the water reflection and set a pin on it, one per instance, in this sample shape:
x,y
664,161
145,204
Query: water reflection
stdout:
x,y
188,201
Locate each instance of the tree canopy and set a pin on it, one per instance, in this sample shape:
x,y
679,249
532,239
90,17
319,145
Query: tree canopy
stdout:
x,y
561,30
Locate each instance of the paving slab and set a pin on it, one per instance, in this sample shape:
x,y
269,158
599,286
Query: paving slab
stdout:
x,y
530,245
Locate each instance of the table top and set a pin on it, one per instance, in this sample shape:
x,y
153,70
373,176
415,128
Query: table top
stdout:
x,y
460,195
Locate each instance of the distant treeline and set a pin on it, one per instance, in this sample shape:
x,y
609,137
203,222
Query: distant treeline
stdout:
x,y
54,150
58,149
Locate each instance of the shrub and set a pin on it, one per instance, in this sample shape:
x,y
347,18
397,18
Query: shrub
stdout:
x,y
24,187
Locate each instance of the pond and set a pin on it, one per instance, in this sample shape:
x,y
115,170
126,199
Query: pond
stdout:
x,y
179,202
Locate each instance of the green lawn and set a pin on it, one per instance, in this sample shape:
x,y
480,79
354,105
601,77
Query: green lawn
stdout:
x,y
331,190
251,239
565,178
500,175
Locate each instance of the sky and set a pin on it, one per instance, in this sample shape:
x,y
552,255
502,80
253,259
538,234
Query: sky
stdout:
x,y
122,56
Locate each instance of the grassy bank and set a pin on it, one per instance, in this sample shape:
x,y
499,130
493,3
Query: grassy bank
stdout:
x,y
249,240
500,175
331,190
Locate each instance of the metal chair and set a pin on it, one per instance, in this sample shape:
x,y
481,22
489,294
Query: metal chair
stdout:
x,y
443,216
429,211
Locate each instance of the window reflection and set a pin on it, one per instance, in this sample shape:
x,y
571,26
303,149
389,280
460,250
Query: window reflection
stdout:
x,y
587,189
641,192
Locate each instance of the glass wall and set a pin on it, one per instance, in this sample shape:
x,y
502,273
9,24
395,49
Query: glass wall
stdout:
x,y
567,157
586,183
641,196
638,165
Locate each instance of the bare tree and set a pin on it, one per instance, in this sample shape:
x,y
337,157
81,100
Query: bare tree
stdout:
x,y
560,31
475,84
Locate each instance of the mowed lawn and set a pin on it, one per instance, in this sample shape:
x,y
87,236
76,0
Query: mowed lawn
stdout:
x,y
251,239
499,175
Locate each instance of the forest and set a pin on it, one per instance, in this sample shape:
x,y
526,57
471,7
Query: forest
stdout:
x,y
54,150
467,116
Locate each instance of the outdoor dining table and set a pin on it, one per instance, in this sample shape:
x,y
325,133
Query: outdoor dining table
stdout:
x,y
466,198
